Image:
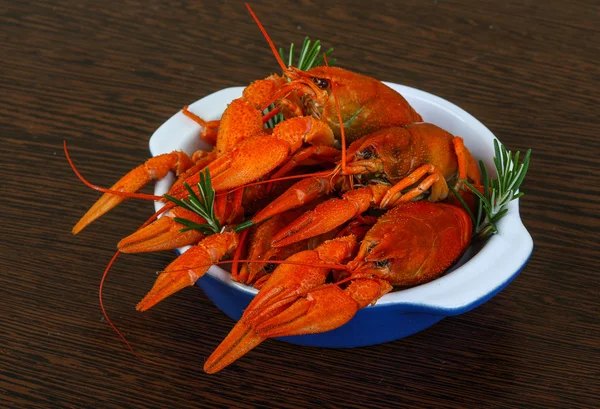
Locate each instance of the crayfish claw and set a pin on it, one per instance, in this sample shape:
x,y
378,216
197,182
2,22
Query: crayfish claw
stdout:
x,y
241,340
323,309
325,217
185,270
154,168
162,234
167,283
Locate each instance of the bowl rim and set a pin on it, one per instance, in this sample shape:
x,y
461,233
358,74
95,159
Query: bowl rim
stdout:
x,y
499,261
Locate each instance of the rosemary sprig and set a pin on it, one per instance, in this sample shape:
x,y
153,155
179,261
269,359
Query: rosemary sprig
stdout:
x,y
310,56
497,192
203,205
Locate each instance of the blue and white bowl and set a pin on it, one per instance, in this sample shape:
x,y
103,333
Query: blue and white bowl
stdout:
x,y
480,274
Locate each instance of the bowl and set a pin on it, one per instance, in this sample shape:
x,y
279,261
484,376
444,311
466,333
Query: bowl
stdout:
x,y
480,274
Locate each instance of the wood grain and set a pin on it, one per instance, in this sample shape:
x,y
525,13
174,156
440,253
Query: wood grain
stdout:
x,y
104,75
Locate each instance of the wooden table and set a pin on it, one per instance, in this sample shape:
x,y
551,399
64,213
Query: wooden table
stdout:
x,y
104,75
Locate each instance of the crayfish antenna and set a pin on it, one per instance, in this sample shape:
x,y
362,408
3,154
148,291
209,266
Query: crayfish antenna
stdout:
x,y
269,41
339,114
101,288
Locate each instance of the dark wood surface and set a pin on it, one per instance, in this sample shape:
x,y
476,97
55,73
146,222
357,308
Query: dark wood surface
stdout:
x,y
104,75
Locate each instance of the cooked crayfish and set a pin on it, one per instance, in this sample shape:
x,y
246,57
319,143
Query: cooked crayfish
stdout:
x,y
411,244
418,157
384,158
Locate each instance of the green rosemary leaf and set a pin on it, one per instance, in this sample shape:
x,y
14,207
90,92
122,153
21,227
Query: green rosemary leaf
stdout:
x,y
499,215
479,213
312,55
174,200
290,56
475,191
462,201
321,61
498,156
202,190
518,195
523,169
192,201
486,231
244,225
209,193
305,47
190,225
201,187
486,186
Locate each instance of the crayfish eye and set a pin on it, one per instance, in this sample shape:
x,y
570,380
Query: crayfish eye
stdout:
x,y
382,263
321,83
269,267
366,153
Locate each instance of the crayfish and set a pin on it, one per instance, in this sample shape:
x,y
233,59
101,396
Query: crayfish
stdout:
x,y
373,203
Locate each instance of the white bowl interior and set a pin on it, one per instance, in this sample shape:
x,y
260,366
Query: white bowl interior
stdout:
x,y
475,276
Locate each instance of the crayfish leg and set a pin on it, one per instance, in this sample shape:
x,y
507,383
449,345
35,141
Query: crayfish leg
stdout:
x,y
434,180
467,165
210,128
191,176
